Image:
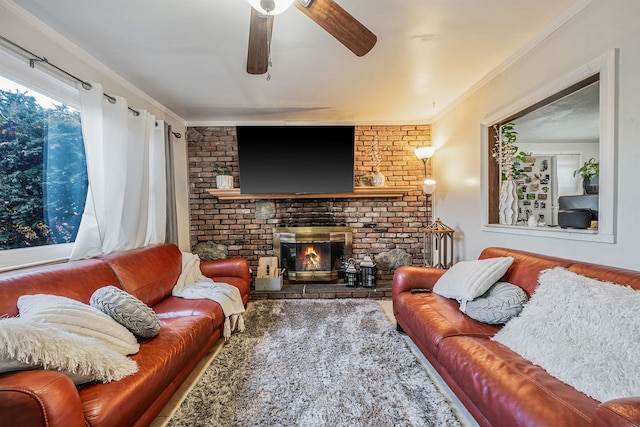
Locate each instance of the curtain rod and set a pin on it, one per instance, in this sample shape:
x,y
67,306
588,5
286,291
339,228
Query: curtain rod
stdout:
x,y
33,59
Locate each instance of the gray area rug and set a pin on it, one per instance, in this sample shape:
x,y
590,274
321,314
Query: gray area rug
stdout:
x,y
315,363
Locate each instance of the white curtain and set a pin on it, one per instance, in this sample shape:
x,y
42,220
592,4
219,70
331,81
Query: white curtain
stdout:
x,y
126,177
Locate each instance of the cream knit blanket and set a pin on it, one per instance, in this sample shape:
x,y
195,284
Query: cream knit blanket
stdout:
x,y
192,284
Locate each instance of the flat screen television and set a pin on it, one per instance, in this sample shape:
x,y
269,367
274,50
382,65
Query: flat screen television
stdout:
x,y
296,159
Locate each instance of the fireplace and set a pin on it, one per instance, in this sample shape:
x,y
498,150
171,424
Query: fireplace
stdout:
x,y
313,254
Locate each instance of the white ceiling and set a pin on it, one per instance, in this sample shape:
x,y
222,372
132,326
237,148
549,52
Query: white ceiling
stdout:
x,y
190,55
574,118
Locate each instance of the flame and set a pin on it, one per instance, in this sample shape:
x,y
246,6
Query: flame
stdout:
x,y
311,259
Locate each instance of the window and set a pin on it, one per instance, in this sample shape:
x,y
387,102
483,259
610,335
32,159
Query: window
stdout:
x,y
43,177
602,70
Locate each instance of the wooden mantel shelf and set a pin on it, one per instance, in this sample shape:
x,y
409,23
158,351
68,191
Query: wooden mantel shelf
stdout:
x,y
358,192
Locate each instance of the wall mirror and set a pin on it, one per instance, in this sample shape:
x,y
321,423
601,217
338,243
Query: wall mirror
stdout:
x,y
558,129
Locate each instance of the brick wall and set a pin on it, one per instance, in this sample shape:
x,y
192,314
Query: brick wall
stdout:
x,y
379,224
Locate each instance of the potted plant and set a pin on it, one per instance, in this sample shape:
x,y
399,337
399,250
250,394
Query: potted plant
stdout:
x,y
589,171
506,153
224,180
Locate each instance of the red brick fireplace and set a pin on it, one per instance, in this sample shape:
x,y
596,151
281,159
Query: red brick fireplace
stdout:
x,y
378,224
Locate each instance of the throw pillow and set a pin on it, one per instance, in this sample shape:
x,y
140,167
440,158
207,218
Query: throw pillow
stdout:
x,y
582,331
127,310
498,305
76,317
467,280
29,344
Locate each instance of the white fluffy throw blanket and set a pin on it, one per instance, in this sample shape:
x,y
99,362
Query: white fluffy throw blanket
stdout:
x,y
583,332
192,284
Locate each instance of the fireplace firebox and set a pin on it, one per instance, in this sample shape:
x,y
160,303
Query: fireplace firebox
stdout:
x,y
313,254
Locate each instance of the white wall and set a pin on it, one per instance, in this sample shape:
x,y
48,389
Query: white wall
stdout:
x,y
599,28
26,31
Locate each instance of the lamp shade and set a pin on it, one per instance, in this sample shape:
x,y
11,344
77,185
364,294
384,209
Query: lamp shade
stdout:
x,y
429,186
424,152
270,7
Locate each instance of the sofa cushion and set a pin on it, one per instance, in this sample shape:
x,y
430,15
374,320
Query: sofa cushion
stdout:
x,y
430,318
167,358
582,331
467,280
148,273
76,317
32,344
77,280
498,305
508,390
127,310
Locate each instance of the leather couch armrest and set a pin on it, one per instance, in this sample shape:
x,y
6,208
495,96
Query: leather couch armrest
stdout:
x,y
618,412
410,277
39,398
227,267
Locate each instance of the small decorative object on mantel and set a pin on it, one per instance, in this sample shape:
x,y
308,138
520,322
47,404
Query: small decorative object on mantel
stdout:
x,y
351,274
506,154
378,177
368,272
439,239
224,179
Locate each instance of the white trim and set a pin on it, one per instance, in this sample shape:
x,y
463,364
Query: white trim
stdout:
x,y
12,68
233,123
14,259
606,65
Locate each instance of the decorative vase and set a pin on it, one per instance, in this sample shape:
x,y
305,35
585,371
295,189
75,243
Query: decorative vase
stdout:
x,y
508,212
591,185
378,179
224,181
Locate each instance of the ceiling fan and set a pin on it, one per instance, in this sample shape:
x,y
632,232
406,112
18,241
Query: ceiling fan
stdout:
x,y
326,13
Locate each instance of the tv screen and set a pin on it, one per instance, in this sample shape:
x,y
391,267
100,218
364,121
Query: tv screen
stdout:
x,y
295,159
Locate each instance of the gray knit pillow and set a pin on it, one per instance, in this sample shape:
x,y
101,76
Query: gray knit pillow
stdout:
x,y
498,305
127,310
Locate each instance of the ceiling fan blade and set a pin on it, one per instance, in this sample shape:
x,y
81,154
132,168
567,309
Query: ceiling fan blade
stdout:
x,y
259,39
341,25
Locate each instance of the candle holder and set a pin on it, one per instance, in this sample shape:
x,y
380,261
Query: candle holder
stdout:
x,y
351,274
368,273
438,245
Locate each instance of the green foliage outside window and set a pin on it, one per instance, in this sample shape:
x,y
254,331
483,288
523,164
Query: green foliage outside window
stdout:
x,y
43,178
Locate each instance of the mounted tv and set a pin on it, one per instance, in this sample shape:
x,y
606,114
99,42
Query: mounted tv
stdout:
x,y
296,159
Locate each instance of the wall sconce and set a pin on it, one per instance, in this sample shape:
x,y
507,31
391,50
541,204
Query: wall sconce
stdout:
x,y
425,153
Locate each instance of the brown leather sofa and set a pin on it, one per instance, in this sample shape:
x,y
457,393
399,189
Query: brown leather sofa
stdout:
x,y
495,384
188,329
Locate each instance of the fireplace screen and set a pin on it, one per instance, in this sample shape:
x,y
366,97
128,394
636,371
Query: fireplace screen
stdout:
x,y
313,253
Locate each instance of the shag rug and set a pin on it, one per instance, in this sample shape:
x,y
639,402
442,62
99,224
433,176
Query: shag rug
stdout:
x,y
315,363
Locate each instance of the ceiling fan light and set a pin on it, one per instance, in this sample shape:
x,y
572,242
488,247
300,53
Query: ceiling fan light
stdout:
x,y
270,7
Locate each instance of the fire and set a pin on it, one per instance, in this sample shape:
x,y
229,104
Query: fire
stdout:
x,y
311,259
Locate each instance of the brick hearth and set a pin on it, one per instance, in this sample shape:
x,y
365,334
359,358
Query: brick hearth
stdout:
x,y
246,227
324,291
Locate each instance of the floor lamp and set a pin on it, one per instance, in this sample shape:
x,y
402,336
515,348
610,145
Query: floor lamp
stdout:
x,y
428,186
